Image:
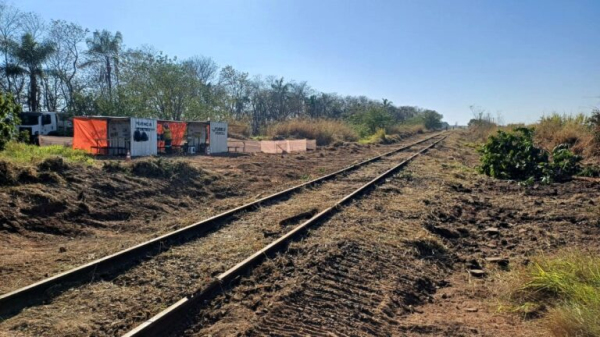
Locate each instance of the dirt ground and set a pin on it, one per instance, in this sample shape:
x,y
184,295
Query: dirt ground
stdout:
x,y
56,216
148,288
423,254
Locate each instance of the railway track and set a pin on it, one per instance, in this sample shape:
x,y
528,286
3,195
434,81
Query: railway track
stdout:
x,y
170,320
39,292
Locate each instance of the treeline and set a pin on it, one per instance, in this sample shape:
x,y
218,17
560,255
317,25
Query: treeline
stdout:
x,y
62,66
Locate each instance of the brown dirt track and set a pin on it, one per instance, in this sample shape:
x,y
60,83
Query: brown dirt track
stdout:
x,y
394,263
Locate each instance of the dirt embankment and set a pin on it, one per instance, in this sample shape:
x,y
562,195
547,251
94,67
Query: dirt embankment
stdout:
x,y
65,199
425,254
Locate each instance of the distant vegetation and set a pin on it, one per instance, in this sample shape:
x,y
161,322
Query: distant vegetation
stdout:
x,y
9,112
324,131
61,66
565,290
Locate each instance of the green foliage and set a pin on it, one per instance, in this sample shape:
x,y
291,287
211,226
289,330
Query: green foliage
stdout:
x,y
379,137
590,171
9,119
513,155
564,162
31,56
432,120
25,153
569,284
371,120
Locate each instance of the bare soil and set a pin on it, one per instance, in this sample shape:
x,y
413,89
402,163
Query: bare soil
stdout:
x,y
402,261
173,272
55,216
422,255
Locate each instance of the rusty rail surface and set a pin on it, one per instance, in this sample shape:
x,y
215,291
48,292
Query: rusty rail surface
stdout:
x,y
169,320
13,302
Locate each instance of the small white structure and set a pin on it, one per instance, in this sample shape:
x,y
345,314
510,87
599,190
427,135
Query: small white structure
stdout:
x,y
207,137
217,137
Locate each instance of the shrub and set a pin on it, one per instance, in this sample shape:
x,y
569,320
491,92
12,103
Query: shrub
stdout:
x,y
379,137
9,119
405,129
569,285
323,131
564,162
513,155
432,120
368,122
239,130
574,130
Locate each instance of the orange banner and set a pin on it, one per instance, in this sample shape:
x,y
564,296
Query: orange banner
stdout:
x,y
177,132
89,134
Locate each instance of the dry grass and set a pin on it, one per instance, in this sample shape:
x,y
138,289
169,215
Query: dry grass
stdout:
x,y
405,130
567,286
323,130
239,129
574,130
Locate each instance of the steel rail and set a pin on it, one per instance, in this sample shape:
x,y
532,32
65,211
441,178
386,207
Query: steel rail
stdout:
x,y
166,322
13,302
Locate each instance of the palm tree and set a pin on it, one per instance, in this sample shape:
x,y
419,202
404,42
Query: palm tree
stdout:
x,y
31,55
104,49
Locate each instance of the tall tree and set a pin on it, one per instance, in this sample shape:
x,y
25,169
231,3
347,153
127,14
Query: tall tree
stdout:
x,y
31,55
10,23
104,49
64,64
204,68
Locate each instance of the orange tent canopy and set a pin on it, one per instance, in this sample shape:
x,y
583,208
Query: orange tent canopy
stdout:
x,y
89,133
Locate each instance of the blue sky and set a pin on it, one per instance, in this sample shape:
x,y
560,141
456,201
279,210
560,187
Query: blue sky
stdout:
x,y
522,58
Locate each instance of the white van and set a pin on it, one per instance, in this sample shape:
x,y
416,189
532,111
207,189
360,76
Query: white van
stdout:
x,y
43,123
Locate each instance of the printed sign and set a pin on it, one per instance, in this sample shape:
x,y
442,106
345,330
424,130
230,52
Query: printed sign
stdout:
x,y
143,137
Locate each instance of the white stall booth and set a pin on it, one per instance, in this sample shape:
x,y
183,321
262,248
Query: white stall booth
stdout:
x,y
207,137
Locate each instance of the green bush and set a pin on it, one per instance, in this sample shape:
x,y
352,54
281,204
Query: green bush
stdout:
x,y
9,119
513,155
564,162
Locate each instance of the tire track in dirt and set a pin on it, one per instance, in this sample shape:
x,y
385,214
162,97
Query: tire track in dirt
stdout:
x,y
114,306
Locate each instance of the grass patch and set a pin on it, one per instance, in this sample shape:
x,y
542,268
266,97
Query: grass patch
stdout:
x,y
26,154
564,289
323,131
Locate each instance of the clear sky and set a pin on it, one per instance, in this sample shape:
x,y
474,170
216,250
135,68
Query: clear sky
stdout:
x,y
522,58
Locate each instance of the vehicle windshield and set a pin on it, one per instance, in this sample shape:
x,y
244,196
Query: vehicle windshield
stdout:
x,y
28,119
